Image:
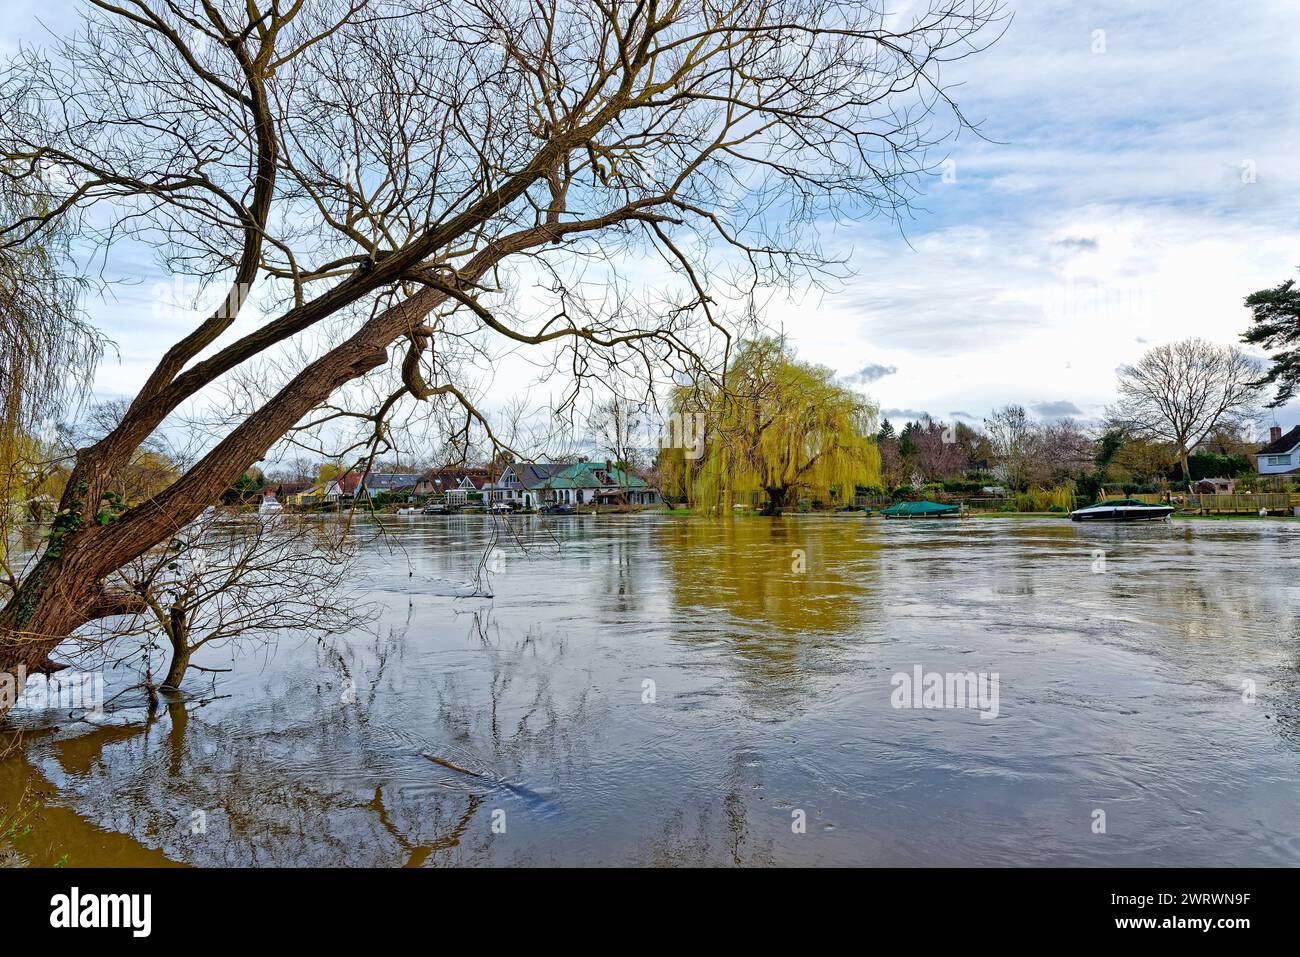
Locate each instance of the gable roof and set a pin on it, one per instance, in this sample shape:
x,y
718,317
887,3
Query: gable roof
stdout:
x,y
345,484
1284,444
456,477
387,481
291,488
583,475
580,474
535,474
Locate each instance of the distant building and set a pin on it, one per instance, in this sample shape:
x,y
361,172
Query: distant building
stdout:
x,y
1215,486
291,493
340,487
532,484
455,484
392,483
1282,453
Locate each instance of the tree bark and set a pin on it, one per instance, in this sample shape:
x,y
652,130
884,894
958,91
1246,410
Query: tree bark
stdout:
x,y
180,663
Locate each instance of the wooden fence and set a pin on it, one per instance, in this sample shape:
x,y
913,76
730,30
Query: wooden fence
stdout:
x,y
1237,502
1269,501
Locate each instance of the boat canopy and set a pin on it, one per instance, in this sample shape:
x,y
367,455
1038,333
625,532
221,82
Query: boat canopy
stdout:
x,y
912,509
1113,502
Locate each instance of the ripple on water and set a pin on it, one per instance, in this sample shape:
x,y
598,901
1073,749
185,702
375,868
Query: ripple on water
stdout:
x,y
770,694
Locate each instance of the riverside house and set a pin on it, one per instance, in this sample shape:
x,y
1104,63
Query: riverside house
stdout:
x,y
454,485
1281,456
582,482
390,483
334,490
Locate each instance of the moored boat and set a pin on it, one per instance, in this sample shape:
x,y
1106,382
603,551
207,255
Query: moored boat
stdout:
x,y
1122,510
920,510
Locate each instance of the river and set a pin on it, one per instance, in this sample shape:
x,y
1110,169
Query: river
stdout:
x,y
665,690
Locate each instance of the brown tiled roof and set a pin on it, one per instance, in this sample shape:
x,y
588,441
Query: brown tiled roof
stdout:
x,y
291,488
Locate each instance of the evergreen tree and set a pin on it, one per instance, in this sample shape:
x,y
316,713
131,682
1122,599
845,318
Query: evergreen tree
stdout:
x,y
1276,314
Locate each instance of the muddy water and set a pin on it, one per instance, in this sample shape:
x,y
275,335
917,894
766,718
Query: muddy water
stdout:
x,y
667,690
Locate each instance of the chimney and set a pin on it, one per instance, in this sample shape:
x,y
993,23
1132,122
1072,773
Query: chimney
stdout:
x,y
1275,433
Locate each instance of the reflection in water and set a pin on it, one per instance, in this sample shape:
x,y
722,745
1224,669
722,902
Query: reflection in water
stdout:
x,y
667,690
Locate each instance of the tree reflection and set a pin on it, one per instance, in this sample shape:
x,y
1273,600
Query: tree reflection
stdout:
x,y
794,600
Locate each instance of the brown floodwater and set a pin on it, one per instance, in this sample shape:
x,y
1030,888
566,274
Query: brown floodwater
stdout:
x,y
661,690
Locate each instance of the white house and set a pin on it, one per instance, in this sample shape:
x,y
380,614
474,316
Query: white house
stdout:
x,y
455,484
583,482
1281,455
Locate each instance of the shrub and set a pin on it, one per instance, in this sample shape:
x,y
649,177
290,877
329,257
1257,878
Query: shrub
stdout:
x,y
1059,499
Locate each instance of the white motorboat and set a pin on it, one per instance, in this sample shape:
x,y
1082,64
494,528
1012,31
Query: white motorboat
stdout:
x,y
1122,510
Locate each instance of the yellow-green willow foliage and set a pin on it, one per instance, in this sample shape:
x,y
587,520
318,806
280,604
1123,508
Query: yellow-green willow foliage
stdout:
x,y
781,430
47,352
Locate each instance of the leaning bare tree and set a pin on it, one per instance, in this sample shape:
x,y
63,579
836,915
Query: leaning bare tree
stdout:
x,y
1182,391
381,190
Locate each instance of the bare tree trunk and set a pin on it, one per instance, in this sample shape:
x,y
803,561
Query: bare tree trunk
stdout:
x,y
180,663
178,634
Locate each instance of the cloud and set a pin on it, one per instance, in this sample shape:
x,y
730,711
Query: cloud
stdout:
x,y
869,373
1115,201
1057,409
907,414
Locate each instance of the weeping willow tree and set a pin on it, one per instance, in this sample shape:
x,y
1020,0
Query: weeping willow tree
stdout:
x,y
777,430
47,352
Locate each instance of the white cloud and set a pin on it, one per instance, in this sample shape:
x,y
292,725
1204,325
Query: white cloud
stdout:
x,y
1106,212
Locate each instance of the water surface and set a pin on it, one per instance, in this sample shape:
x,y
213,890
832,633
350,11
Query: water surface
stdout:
x,y
771,644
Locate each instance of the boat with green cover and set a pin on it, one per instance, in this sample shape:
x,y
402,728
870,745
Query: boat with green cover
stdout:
x,y
920,510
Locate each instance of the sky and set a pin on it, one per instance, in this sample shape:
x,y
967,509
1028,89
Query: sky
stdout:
x,y
1135,178
1131,188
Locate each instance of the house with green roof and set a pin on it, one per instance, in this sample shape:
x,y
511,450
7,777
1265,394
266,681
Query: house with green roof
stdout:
x,y
581,482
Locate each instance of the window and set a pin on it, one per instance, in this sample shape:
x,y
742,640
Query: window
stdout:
x,y
1279,460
